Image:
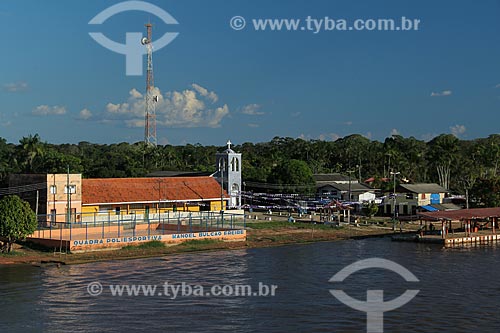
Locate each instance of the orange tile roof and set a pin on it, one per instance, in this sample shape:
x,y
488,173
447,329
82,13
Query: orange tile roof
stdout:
x,y
138,190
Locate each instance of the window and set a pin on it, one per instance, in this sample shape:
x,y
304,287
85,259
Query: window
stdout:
x,y
72,189
235,164
53,189
53,216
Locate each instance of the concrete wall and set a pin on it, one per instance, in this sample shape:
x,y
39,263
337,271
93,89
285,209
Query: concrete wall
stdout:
x,y
171,239
95,241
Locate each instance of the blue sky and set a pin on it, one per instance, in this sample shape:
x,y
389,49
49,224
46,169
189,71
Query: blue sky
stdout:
x,y
217,83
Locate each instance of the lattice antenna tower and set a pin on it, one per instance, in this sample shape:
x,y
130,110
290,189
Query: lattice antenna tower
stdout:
x,y
151,99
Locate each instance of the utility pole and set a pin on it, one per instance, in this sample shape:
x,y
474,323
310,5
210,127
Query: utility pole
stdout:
x,y
394,200
54,216
68,217
221,170
349,197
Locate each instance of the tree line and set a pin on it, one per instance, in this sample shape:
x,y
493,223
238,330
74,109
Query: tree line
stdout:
x,y
462,166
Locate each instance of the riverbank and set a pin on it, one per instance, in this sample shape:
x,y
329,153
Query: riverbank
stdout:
x,y
259,234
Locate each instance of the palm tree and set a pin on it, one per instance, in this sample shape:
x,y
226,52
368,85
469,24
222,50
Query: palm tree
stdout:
x,y
31,147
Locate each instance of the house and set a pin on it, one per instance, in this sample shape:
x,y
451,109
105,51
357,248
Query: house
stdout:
x,y
410,197
424,193
344,188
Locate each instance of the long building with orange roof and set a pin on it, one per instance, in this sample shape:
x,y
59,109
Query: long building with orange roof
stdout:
x,y
140,195
64,198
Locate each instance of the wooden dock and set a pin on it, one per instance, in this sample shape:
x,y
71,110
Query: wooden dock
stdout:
x,y
451,240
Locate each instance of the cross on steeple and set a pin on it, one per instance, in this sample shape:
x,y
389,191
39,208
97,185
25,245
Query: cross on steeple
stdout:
x,y
229,144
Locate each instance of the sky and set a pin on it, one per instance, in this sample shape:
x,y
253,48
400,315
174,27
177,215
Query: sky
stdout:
x,y
217,80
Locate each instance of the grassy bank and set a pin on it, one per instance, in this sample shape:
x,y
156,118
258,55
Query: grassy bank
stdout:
x,y
259,234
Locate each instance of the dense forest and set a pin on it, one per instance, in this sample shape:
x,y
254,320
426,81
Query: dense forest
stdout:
x,y
458,165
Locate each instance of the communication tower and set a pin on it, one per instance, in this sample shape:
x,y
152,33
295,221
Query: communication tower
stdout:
x,y
150,98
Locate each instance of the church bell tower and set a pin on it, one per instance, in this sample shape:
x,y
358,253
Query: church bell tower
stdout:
x,y
228,164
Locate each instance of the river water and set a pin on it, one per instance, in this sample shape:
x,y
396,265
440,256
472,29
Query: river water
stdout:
x,y
459,291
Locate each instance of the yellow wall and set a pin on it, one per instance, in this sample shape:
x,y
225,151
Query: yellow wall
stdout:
x,y
90,209
126,209
215,205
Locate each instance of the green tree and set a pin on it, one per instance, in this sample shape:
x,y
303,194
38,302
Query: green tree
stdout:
x,y
31,147
444,150
370,209
486,192
293,176
17,220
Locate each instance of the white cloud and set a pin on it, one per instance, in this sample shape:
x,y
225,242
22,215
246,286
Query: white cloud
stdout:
x,y
322,137
15,87
497,86
187,108
253,125
394,132
329,137
457,130
85,114
135,94
348,123
212,96
442,93
118,108
368,135
252,110
46,110
295,114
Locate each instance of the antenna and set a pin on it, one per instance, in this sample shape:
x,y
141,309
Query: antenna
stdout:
x,y
150,112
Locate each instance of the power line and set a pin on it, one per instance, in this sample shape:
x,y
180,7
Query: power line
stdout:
x,y
277,186
22,188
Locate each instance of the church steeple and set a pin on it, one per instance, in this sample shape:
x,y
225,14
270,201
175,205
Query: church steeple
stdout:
x,y
228,164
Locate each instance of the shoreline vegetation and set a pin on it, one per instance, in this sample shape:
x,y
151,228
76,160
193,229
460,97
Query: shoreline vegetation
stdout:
x,y
259,234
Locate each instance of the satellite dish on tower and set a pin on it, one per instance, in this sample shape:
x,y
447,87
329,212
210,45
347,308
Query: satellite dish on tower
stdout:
x,y
144,41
